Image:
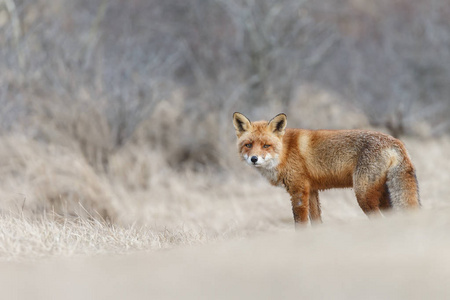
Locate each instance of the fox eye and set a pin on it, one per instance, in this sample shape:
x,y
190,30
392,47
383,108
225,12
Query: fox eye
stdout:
x,y
266,146
248,145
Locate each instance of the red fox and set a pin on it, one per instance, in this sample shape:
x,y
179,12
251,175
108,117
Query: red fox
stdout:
x,y
376,165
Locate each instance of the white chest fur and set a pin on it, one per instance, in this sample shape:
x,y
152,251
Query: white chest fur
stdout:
x,y
270,173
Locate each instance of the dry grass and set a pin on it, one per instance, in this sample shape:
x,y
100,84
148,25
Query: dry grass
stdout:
x,y
52,200
24,238
230,233
400,257
38,177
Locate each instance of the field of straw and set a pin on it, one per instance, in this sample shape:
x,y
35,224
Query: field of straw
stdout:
x,y
197,235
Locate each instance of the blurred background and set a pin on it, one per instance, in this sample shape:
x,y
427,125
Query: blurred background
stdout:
x,y
123,109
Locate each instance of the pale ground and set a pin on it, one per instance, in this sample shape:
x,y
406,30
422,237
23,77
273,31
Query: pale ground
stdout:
x,y
195,237
402,257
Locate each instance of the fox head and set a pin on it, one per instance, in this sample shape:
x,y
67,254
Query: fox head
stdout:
x,y
259,143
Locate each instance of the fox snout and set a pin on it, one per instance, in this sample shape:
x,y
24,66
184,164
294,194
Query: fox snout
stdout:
x,y
253,160
259,161
266,161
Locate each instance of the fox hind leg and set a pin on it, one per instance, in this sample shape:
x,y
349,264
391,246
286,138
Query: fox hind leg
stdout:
x,y
369,190
369,182
369,200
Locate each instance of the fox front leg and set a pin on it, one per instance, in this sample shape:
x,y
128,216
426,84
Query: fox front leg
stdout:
x,y
314,208
300,208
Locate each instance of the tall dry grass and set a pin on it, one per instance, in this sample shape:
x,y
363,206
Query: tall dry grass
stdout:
x,y
25,238
55,204
38,178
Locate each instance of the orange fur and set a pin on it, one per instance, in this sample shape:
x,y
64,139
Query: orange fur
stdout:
x,y
376,165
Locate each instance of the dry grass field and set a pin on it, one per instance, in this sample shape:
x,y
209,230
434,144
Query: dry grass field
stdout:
x,y
193,236
402,257
175,208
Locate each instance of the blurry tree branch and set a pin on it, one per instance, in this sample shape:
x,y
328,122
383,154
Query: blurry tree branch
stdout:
x,y
94,31
12,11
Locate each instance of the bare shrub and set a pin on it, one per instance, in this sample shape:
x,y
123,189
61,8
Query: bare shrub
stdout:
x,y
389,60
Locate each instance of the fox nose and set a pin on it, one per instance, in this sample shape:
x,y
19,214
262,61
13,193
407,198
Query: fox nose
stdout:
x,y
254,159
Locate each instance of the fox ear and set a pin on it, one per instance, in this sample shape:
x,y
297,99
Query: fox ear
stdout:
x,y
278,124
241,123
